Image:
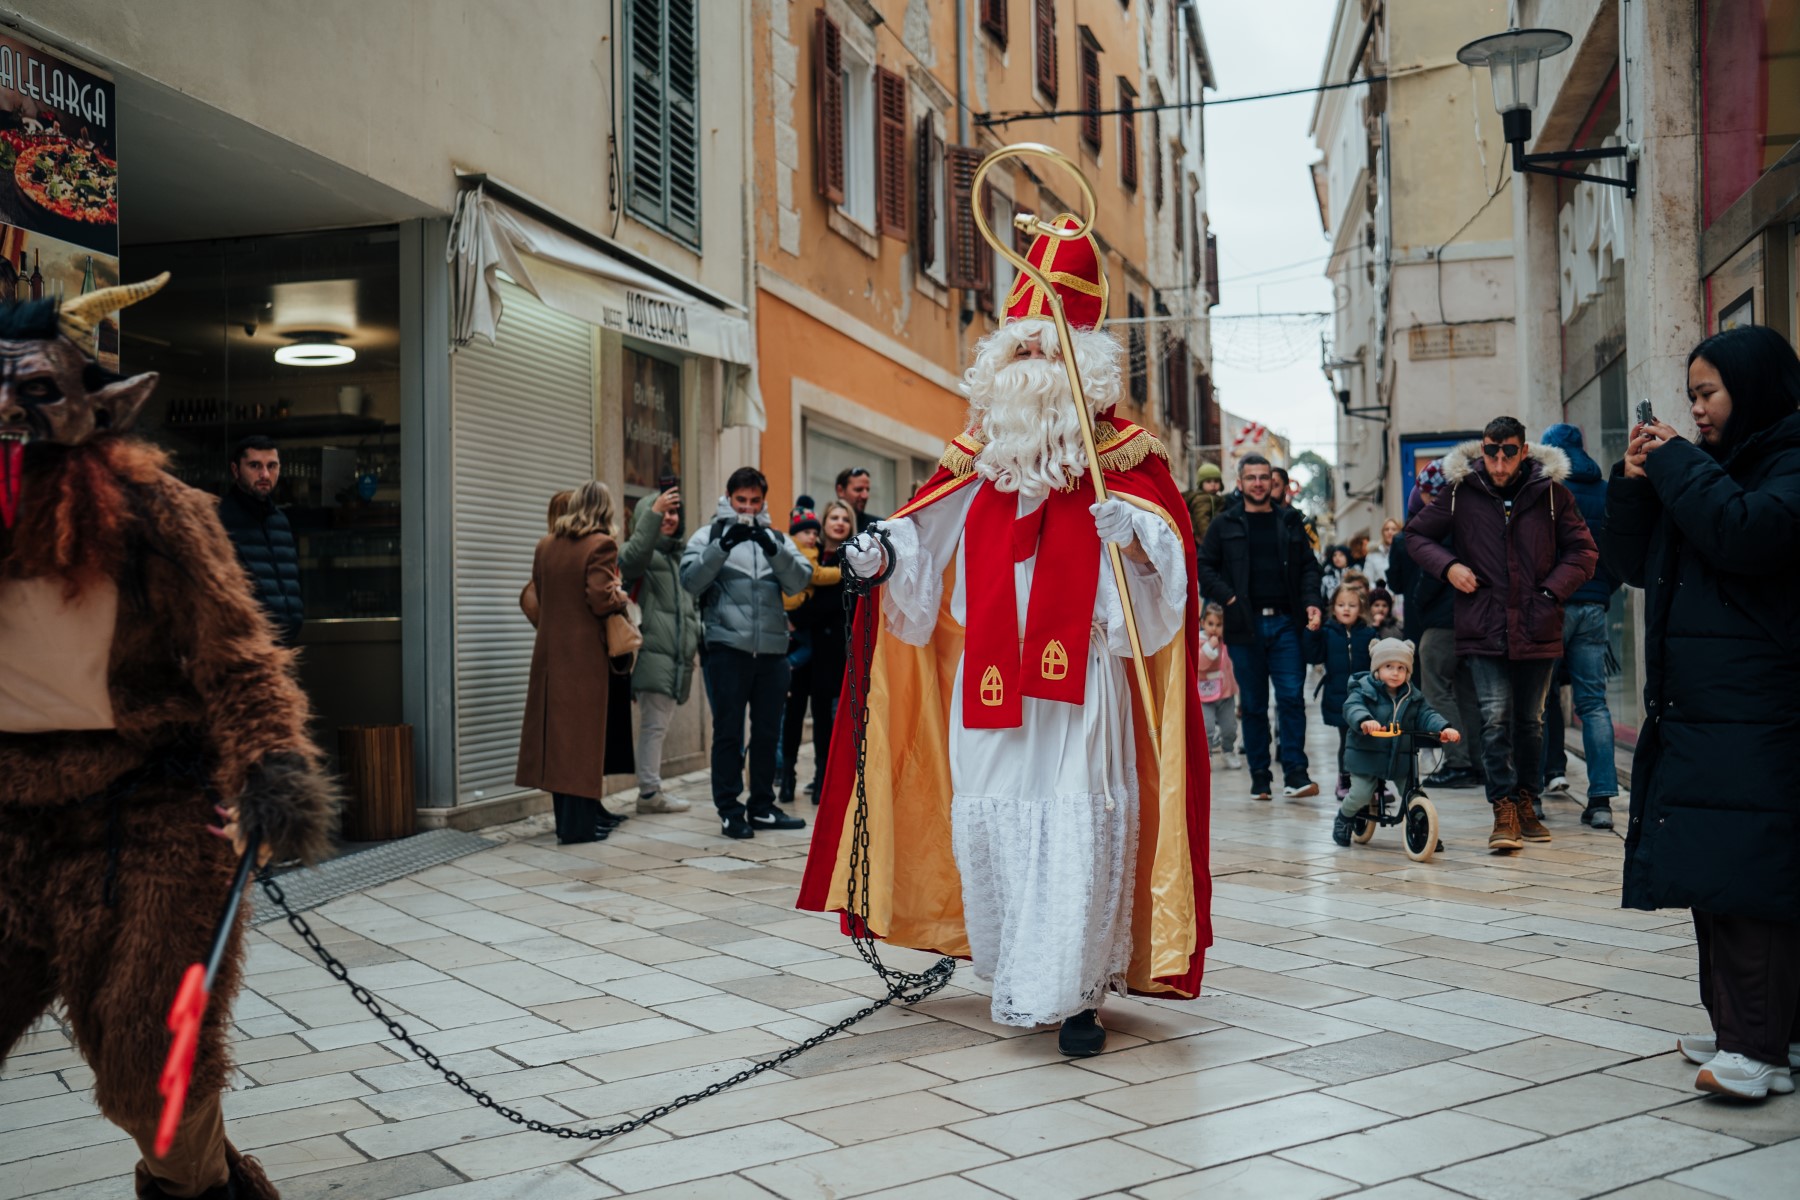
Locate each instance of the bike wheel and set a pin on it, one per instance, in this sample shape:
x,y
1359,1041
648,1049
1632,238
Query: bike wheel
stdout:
x,y
1364,828
1420,829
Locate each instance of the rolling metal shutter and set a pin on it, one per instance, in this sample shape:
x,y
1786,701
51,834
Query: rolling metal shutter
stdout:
x,y
522,429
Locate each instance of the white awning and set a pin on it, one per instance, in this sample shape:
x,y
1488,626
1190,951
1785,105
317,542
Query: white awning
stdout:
x,y
488,237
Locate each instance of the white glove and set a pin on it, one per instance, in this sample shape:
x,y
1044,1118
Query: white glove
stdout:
x,y
863,554
1113,521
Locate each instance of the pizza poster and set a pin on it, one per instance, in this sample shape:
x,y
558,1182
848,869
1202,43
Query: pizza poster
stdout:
x,y
59,180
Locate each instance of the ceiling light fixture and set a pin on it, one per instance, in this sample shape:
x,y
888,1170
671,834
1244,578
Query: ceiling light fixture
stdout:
x,y
316,349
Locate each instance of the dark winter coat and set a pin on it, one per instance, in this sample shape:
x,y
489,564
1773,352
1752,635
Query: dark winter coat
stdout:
x,y
1344,649
1224,569
265,544
1586,484
1370,700
1715,801
650,565
1527,567
1203,506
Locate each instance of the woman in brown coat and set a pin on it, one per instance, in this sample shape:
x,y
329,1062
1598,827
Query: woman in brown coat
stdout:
x,y
574,588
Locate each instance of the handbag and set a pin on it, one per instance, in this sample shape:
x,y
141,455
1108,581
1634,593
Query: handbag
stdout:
x,y
625,635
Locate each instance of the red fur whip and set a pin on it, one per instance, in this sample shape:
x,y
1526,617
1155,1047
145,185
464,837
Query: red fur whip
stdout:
x,y
189,1009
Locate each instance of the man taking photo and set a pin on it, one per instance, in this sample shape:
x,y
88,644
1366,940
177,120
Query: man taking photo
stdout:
x,y
1256,562
260,533
1517,550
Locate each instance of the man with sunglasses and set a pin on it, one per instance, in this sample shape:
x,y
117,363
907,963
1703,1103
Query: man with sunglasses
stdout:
x,y
1518,548
853,485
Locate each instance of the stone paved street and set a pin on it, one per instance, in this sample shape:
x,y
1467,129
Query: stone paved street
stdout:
x,y
1487,1027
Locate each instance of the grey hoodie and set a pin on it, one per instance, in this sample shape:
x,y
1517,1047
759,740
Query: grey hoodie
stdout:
x,y
740,589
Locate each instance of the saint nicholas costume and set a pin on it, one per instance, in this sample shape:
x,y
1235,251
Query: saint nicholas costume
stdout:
x,y
1020,813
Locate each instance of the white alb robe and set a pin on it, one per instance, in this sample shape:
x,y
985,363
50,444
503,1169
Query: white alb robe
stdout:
x,y
1044,817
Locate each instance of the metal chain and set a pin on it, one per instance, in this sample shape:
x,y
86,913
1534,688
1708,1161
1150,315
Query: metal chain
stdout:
x,y
906,987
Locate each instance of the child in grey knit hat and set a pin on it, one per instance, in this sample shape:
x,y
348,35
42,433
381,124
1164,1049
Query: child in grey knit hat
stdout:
x,y
1381,700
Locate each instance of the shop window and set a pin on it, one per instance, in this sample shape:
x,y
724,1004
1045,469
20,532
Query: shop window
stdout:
x,y
651,392
662,114
213,333
1749,94
829,452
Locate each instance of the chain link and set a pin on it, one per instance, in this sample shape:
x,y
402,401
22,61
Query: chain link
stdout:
x,y
906,987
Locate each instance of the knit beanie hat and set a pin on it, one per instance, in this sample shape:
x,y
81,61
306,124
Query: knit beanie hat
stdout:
x,y
1382,594
1391,650
1206,471
1432,479
803,518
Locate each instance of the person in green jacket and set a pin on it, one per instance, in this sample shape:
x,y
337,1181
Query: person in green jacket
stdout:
x,y
1380,700
650,564
1207,498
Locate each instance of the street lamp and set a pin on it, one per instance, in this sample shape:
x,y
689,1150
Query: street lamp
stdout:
x,y
1512,60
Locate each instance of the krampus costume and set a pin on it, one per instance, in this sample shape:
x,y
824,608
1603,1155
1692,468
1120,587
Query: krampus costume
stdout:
x,y
140,685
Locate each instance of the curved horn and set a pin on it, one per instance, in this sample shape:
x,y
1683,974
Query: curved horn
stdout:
x,y
78,317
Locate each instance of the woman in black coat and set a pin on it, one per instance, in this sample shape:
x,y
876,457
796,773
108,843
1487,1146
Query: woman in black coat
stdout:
x,y
1708,529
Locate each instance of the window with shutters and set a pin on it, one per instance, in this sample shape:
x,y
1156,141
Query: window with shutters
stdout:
x,y
970,264
1137,346
1089,96
928,203
860,135
993,19
1000,215
1156,160
1043,45
890,152
1128,147
1212,270
828,108
662,116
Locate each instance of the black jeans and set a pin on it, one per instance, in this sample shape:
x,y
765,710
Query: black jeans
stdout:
x,y
1750,983
1511,694
577,818
736,681
819,687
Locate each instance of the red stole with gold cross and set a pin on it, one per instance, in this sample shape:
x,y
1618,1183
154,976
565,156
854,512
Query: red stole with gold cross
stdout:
x,y
1050,662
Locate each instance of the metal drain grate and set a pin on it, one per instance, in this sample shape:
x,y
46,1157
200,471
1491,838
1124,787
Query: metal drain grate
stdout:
x,y
309,888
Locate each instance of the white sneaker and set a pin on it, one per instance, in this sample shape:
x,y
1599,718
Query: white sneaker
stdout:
x,y
1700,1049
1557,786
661,802
1233,762
1730,1074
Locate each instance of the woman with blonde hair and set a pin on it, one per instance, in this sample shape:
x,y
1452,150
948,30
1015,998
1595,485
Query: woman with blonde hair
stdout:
x,y
574,587
1379,559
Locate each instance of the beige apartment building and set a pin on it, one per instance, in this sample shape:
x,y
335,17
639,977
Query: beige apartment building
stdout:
x,y
872,282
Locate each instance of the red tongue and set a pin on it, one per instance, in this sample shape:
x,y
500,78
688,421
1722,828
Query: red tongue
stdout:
x,y
12,468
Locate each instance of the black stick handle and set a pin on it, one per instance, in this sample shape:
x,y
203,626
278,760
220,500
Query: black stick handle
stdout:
x,y
222,933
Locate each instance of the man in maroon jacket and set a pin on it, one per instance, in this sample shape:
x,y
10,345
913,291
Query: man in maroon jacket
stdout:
x,y
1518,549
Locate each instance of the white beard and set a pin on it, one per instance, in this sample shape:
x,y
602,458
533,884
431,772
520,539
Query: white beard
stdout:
x,y
1024,411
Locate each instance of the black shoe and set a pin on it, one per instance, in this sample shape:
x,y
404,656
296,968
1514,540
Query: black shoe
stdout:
x,y
1341,829
787,792
736,826
1260,787
1082,1035
1452,778
775,819
1597,814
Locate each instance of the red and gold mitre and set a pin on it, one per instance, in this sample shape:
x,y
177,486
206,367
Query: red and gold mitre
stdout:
x,y
1072,265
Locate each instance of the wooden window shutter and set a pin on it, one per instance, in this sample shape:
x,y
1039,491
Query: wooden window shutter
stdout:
x,y
1156,159
890,153
1128,144
1212,270
1044,45
964,248
683,91
1139,354
1088,98
662,112
828,108
984,299
926,208
993,19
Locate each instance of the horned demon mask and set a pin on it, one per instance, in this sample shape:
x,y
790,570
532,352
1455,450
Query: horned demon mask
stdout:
x,y
51,391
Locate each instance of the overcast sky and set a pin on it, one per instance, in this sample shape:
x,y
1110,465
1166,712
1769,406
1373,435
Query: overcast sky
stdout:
x,y
1261,207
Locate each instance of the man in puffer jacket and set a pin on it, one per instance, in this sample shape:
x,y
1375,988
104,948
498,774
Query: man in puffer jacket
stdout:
x,y
260,533
1585,644
650,564
740,568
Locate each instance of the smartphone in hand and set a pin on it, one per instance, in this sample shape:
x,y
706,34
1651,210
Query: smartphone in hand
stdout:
x,y
1645,414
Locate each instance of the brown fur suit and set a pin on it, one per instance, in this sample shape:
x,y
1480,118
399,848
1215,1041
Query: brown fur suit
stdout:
x,y
109,880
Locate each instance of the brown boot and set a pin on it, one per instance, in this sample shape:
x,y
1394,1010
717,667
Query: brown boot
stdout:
x,y
1506,835
1531,826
